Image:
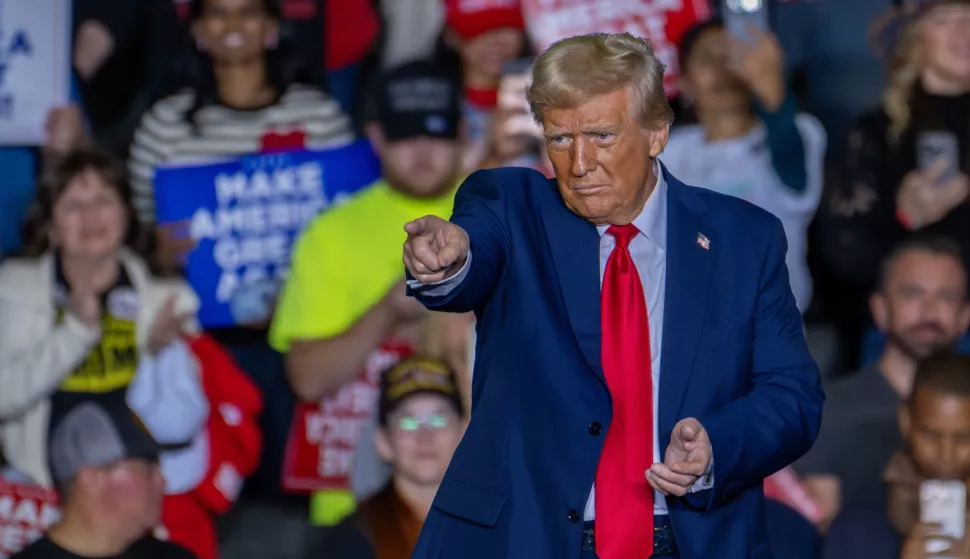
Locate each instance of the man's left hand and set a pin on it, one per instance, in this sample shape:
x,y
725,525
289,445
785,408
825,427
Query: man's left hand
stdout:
x,y
686,459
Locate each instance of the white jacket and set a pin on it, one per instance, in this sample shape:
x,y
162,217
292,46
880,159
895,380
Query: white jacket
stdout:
x,y
37,354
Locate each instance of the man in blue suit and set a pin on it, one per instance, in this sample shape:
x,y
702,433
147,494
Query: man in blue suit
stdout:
x,y
640,364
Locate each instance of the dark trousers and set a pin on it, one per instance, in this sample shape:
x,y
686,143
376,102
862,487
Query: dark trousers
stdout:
x,y
664,546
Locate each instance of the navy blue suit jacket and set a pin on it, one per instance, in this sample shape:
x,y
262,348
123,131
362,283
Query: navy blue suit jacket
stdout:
x,y
734,357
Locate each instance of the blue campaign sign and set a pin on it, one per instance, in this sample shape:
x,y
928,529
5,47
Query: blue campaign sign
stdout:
x,y
244,216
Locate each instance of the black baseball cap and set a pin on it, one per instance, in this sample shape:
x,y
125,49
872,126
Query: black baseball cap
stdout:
x,y
417,375
418,99
97,434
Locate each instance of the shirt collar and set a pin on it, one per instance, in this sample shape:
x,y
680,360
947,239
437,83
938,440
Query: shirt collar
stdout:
x,y
652,220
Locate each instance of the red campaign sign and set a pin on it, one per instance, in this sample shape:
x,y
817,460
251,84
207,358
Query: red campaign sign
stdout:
x,y
663,22
324,436
26,511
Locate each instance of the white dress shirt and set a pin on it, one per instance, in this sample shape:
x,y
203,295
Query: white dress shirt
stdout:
x,y
648,250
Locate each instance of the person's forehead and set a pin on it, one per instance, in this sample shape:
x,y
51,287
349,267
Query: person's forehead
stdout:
x,y
85,183
919,265
423,403
711,41
604,109
942,410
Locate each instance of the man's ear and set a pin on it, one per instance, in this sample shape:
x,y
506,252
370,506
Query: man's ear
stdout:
x,y
383,444
879,308
375,133
658,139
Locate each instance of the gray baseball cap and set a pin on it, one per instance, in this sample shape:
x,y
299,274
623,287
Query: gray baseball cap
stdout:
x,y
95,435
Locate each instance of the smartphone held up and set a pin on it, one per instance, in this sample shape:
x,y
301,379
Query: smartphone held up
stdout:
x,y
742,16
943,505
938,151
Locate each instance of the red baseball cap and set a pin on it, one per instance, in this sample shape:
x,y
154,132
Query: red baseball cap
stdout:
x,y
471,18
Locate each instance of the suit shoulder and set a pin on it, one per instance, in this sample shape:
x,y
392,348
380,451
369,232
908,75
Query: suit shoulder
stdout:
x,y
735,212
506,182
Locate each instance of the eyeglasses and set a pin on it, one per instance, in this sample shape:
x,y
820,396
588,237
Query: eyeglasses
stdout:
x,y
413,423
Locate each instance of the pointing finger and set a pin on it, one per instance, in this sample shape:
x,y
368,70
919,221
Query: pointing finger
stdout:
x,y
416,227
688,432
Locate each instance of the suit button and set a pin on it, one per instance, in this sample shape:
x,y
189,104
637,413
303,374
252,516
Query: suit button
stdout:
x,y
595,428
573,515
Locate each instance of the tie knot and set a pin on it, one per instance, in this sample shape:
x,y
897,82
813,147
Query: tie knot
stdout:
x,y
623,234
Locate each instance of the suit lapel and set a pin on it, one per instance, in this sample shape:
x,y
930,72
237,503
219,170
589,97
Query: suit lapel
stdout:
x,y
574,244
690,269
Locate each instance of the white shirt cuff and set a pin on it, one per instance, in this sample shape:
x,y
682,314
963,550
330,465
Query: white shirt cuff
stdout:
x,y
706,481
444,287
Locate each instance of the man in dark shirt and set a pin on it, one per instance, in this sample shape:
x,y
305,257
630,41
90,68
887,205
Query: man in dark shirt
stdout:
x,y
883,521
922,305
105,464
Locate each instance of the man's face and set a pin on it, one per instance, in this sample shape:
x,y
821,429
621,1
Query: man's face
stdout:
x,y
134,491
923,304
422,166
603,157
937,430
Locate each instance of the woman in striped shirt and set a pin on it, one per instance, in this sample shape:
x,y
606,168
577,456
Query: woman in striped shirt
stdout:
x,y
245,98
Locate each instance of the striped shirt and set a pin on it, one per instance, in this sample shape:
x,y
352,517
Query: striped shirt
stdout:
x,y
165,136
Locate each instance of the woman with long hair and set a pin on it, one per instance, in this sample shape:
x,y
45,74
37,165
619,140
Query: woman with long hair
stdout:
x,y
80,310
907,164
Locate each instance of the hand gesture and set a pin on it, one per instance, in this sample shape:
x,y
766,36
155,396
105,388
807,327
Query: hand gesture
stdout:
x,y
168,326
65,129
760,65
924,200
435,249
85,304
686,459
914,547
403,309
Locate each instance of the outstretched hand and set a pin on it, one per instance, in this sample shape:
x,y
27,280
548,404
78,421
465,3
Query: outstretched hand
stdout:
x,y
686,459
435,249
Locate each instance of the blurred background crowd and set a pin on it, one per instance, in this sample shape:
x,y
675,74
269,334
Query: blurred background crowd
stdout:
x,y
320,423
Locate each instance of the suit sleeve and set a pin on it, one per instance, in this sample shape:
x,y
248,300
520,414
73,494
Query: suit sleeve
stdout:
x,y
778,420
479,210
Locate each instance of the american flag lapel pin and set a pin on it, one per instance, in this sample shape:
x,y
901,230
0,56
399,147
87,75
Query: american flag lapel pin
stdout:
x,y
703,241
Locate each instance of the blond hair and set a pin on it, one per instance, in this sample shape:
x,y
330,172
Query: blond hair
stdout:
x,y
573,70
905,69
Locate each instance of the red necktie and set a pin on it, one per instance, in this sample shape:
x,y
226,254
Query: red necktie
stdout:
x,y
624,499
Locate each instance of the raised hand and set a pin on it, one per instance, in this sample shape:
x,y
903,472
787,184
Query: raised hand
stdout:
x,y
435,249
168,326
686,459
761,65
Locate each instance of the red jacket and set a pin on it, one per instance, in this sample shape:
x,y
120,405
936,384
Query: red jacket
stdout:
x,y
234,442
